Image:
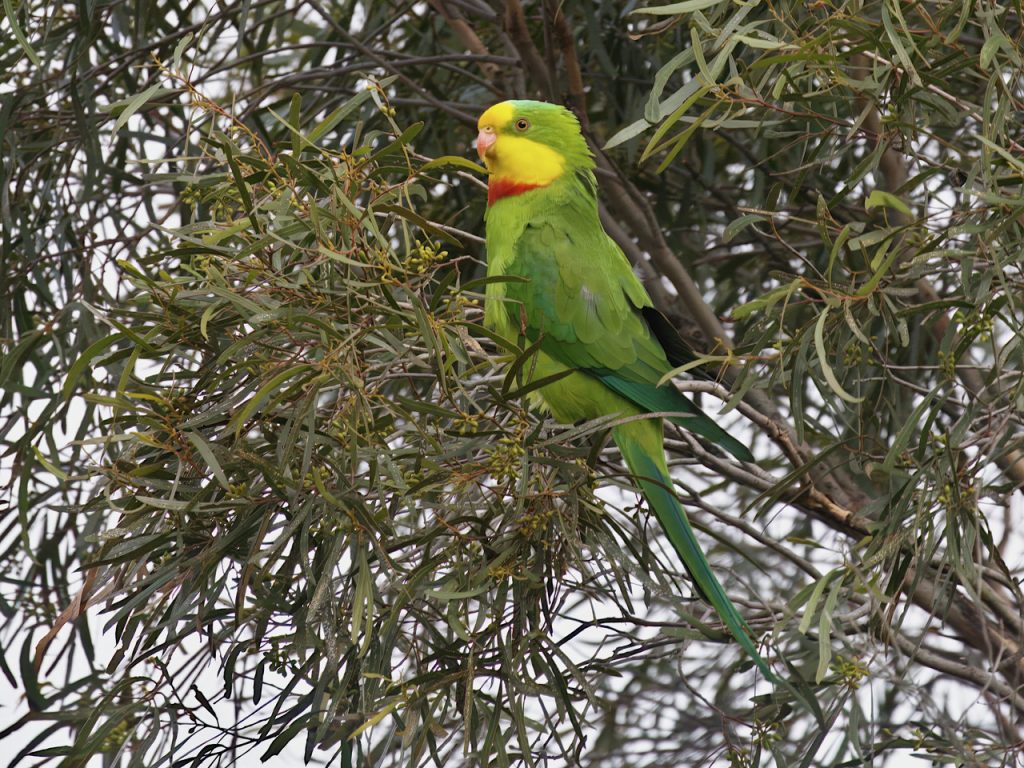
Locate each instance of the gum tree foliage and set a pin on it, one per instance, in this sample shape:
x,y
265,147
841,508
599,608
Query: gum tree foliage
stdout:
x,y
270,489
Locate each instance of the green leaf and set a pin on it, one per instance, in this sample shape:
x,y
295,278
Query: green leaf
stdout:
x,y
447,161
736,226
448,594
241,186
623,135
85,361
339,114
769,300
810,608
375,718
884,258
653,110
30,678
880,198
284,736
675,9
403,140
826,369
210,458
825,632
992,44
294,119
12,19
897,40
179,49
125,108
679,141
266,390
694,90
910,426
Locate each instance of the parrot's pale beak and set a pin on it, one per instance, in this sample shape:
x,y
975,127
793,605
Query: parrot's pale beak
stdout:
x,y
485,140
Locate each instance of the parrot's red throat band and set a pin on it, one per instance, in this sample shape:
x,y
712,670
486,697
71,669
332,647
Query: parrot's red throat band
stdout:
x,y
498,188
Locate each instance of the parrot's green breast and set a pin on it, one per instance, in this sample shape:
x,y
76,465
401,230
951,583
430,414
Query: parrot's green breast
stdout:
x,y
548,248
505,224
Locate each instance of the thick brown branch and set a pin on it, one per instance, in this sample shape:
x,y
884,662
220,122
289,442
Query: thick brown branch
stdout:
x,y
468,36
567,45
515,24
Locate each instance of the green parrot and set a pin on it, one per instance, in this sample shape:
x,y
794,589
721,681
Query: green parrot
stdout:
x,y
590,314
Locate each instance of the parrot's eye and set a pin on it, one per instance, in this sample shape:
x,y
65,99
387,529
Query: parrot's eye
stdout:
x,y
522,124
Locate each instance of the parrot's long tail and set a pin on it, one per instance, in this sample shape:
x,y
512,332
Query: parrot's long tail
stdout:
x,y
641,444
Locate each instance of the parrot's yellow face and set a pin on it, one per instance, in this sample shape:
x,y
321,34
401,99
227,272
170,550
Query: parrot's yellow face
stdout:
x,y
514,142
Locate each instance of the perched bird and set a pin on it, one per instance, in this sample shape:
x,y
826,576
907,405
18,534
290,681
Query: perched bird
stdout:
x,y
577,296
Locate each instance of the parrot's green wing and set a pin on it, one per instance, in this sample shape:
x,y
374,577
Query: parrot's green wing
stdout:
x,y
592,314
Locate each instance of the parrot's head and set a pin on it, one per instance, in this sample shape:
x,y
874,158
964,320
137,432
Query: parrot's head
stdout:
x,y
531,143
